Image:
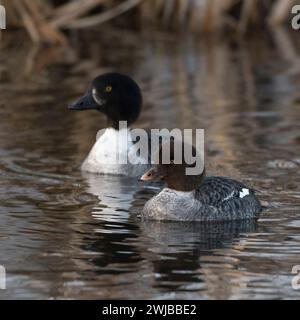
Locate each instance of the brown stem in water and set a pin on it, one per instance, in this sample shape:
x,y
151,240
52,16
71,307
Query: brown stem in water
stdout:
x,y
103,17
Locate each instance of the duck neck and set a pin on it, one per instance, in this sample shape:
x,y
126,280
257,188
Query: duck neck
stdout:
x,y
117,124
187,183
112,123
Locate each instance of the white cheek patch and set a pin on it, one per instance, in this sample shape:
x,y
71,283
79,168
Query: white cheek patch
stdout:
x,y
244,193
96,98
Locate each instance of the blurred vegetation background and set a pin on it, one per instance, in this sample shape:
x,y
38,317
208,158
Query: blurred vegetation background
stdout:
x,y
46,21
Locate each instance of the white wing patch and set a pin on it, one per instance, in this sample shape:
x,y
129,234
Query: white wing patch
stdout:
x,y
244,193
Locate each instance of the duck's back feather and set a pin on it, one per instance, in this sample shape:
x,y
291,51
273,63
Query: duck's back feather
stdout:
x,y
216,199
214,191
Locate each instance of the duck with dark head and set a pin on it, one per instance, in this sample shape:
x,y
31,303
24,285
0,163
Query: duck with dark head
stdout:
x,y
197,197
119,98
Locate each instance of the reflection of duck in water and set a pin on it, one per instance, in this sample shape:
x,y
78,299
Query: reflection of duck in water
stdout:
x,y
196,197
117,196
176,249
168,235
120,99
115,226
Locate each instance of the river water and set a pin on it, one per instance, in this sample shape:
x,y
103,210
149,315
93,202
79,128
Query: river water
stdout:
x,y
69,235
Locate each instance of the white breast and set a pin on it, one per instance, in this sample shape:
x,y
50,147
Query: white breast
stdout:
x,y
170,204
109,155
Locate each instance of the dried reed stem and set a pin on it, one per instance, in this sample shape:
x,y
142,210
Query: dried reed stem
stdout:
x,y
103,17
280,11
73,10
36,23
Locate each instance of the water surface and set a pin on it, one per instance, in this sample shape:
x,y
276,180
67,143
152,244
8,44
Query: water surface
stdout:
x,y
65,234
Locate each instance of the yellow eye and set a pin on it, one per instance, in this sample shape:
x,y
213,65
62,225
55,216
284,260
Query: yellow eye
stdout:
x,y
108,89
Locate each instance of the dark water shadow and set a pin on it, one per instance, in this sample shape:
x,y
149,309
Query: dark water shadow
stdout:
x,y
177,247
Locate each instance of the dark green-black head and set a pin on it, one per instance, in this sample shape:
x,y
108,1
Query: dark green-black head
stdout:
x,y
114,94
